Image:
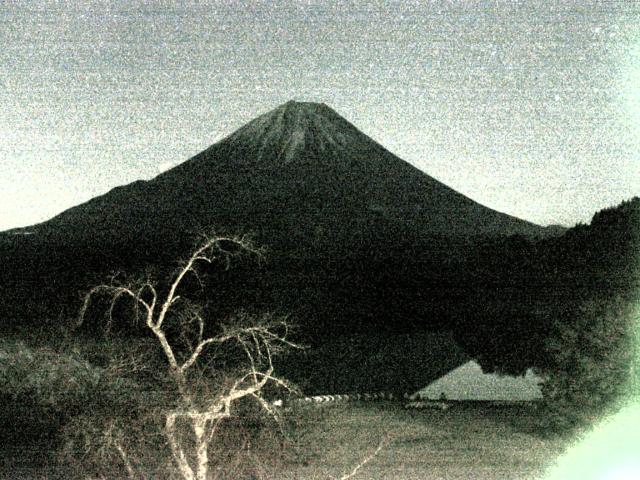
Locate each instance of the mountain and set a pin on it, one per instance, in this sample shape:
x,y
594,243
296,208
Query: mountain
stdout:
x,y
360,244
349,228
298,175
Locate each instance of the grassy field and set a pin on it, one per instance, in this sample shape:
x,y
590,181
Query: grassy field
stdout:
x,y
466,442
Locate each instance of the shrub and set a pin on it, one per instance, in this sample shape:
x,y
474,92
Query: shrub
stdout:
x,y
592,355
42,390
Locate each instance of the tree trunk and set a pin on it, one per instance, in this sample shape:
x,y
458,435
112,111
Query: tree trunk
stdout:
x,y
185,470
202,444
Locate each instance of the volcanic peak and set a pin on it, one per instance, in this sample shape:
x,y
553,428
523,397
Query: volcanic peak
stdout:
x,y
301,164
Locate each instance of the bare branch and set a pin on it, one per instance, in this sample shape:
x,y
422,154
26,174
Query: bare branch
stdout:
x,y
366,460
214,427
125,459
114,299
200,254
113,291
198,350
166,348
268,408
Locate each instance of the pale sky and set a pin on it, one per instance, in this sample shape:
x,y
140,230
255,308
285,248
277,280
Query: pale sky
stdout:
x,y
531,108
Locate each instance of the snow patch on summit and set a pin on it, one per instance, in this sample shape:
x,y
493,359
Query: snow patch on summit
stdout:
x,y
295,129
294,144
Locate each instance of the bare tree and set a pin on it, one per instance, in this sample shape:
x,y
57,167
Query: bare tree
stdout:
x,y
259,339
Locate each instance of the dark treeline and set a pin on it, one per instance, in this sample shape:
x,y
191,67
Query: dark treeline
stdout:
x,y
531,287
502,298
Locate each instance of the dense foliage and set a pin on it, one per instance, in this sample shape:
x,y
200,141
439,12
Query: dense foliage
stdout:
x,y
591,359
570,312
43,389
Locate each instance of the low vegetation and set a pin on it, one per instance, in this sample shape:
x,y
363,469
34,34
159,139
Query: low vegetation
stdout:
x,y
44,390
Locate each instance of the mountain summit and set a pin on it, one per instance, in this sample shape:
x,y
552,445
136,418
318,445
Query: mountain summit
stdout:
x,y
295,130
